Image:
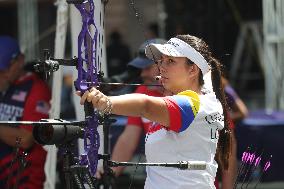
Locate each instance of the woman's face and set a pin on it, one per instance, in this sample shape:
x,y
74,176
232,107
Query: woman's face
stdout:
x,y
175,73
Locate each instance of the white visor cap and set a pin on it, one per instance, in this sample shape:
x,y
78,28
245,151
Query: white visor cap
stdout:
x,y
177,48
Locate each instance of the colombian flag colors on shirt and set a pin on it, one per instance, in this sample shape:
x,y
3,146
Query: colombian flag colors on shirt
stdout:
x,y
182,108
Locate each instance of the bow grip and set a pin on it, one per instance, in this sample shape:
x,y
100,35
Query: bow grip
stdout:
x,y
89,109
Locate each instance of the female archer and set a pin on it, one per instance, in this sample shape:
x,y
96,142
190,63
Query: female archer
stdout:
x,y
189,123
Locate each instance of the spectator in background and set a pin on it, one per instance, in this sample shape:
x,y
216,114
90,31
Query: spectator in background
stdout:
x,y
23,96
238,109
118,54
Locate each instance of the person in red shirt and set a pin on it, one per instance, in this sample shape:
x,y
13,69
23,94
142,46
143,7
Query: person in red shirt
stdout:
x,y
23,96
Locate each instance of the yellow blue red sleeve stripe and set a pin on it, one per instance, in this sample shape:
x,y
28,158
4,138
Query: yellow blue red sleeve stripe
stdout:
x,y
182,110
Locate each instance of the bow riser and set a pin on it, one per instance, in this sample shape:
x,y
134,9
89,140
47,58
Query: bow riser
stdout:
x,y
88,78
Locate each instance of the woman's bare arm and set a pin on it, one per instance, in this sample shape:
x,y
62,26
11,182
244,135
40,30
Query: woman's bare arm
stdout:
x,y
141,105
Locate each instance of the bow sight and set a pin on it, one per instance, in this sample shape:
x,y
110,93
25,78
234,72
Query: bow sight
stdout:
x,y
49,65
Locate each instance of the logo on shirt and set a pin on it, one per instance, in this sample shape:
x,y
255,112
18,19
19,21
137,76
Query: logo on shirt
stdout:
x,y
10,112
19,96
215,117
214,133
42,107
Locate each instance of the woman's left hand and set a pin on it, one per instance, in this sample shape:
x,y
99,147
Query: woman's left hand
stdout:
x,y
96,97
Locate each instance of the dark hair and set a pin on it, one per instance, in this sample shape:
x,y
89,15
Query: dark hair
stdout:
x,y
224,143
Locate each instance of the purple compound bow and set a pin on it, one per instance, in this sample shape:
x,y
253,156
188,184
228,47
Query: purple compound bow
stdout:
x,y
87,45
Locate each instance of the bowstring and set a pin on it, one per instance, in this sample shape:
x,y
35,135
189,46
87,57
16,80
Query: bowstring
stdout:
x,y
138,17
141,24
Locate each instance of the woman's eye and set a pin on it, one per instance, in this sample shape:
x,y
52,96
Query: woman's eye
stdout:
x,y
171,61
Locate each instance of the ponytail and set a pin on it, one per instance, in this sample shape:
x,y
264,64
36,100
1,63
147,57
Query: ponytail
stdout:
x,y
224,142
